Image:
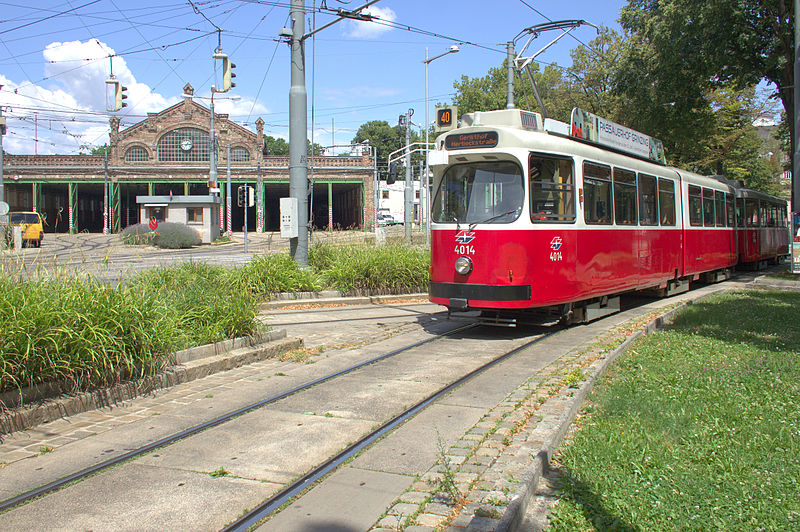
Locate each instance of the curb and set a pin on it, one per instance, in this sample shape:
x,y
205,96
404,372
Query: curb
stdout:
x,y
514,516
321,299
67,405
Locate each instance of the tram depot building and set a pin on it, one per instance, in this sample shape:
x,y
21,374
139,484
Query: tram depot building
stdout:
x,y
167,154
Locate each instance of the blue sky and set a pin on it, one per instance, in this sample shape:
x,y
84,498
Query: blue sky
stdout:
x,y
54,60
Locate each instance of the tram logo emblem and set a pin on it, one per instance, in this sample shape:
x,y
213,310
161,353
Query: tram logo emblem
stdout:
x,y
555,244
465,236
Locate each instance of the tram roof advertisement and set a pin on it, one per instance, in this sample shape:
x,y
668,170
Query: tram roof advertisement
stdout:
x,y
596,129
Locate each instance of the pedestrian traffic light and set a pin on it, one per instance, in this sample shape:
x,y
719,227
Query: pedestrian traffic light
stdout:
x,y
241,194
115,93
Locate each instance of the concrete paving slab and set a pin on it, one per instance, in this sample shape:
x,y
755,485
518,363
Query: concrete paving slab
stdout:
x,y
359,397
350,500
266,445
174,500
413,448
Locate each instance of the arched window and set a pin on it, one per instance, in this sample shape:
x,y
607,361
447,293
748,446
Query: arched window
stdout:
x,y
136,154
239,154
184,144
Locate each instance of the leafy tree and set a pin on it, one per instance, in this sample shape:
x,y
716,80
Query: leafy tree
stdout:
x,y
101,150
278,146
383,137
685,49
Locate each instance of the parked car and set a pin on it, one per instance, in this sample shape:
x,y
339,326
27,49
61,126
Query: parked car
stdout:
x,y
386,219
32,227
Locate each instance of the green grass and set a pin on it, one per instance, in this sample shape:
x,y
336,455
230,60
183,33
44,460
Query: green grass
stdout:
x,y
85,334
697,428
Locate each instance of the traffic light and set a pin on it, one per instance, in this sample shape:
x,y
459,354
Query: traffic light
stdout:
x,y
241,194
392,177
251,196
227,72
115,93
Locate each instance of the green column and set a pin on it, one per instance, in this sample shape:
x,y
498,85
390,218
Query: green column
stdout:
x,y
73,207
150,187
115,208
37,192
330,206
186,188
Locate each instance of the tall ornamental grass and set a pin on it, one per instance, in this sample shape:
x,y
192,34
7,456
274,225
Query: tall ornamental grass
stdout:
x,y
359,269
697,429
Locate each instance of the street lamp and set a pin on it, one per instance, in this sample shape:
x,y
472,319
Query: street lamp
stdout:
x,y
453,49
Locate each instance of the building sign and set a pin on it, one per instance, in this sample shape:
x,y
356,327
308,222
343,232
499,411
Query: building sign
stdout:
x,y
593,128
465,141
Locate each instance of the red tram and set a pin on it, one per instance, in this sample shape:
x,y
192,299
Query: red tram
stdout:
x,y
536,215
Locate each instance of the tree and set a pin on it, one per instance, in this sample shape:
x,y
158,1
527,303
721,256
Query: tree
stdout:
x,y
685,49
101,150
383,137
275,146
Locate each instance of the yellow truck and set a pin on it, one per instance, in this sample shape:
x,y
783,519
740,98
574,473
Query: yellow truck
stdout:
x,y
32,227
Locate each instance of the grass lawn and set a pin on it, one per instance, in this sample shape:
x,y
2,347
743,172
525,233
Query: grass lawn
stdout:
x,y
696,427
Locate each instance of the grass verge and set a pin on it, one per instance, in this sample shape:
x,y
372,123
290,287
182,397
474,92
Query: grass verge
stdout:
x,y
697,427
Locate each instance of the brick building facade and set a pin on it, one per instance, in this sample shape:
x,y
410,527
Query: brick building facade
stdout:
x,y
168,153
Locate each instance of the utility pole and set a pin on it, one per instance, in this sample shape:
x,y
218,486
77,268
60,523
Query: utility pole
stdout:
x,y
105,193
298,126
228,194
510,75
796,154
2,132
408,204
298,146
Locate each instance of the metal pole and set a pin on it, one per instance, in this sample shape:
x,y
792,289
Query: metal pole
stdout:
x,y
427,148
105,194
298,145
228,194
510,75
259,199
408,203
246,201
212,158
421,202
796,105
374,152
2,132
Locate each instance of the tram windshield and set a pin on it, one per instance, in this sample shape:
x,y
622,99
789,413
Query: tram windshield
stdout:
x,y
477,193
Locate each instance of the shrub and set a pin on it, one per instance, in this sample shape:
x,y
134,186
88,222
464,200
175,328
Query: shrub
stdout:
x,y
270,274
137,235
176,236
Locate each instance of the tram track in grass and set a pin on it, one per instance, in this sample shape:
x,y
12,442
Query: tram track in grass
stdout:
x,y
55,485
263,511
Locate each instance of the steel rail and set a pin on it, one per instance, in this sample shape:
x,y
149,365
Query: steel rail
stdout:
x,y
267,507
79,475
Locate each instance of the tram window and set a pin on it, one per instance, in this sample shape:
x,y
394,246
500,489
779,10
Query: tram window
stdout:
x,y
740,212
772,221
719,201
479,193
596,194
648,201
552,189
708,207
751,212
762,213
666,201
729,209
695,206
624,197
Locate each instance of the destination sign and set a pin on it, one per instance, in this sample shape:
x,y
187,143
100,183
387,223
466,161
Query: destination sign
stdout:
x,y
466,141
588,126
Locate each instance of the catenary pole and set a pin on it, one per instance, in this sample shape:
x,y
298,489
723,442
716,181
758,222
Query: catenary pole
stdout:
x,y
298,146
796,106
407,191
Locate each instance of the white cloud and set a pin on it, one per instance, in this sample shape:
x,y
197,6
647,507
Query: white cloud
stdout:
x,y
370,30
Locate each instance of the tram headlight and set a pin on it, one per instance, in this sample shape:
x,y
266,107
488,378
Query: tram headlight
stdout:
x,y
463,265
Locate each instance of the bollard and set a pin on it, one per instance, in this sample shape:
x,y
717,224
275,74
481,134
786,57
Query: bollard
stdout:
x,y
17,237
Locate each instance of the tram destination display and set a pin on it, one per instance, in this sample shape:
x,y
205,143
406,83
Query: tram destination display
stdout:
x,y
466,141
598,130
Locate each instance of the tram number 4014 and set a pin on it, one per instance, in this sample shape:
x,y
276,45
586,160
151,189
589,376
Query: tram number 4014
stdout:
x,y
555,256
464,250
